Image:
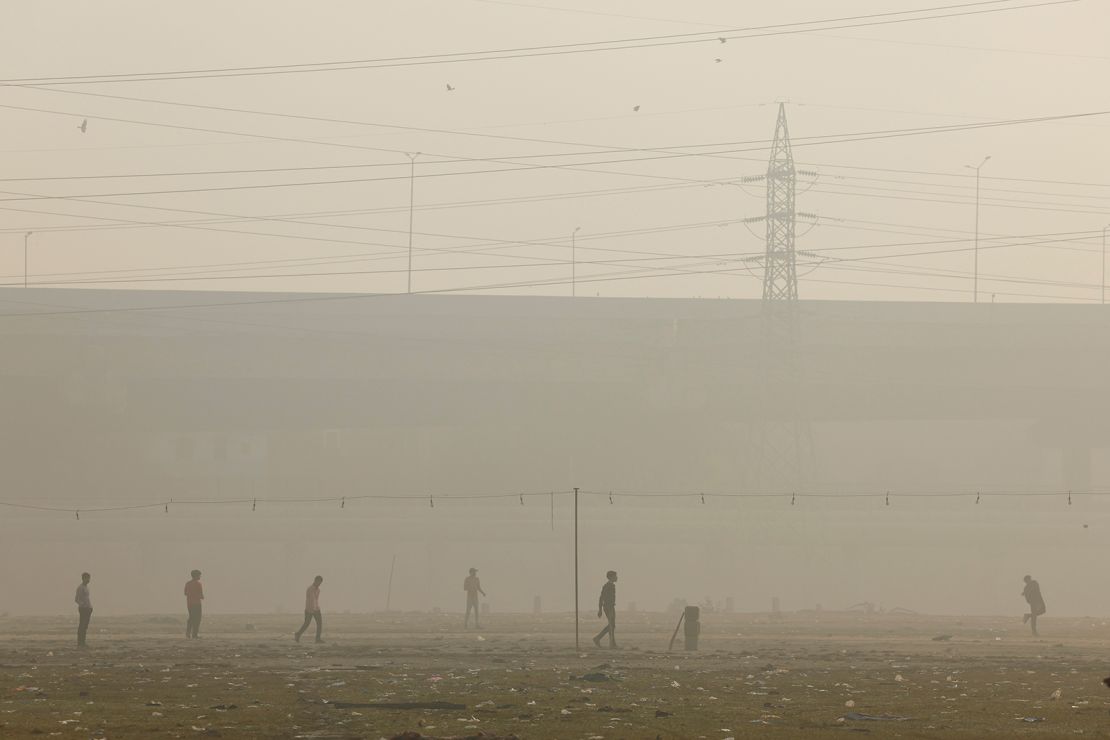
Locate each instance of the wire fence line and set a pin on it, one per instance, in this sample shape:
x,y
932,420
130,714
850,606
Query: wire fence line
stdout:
x,y
432,499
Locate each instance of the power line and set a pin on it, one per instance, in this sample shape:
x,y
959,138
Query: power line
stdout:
x,y
870,19
802,141
582,144
422,499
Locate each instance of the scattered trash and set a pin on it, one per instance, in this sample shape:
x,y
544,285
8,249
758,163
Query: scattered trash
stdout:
x,y
849,703
1031,719
1055,695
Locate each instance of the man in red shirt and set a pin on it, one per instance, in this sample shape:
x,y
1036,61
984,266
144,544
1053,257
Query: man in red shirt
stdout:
x,y
312,610
194,595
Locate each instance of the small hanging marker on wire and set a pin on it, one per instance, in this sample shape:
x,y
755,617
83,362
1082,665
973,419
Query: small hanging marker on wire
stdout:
x,y
167,508
522,499
792,496
888,498
431,501
703,498
254,504
610,498
78,515
976,497
1069,498
343,502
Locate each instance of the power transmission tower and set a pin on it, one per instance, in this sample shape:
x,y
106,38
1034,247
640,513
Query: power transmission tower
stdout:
x,y
785,455
780,273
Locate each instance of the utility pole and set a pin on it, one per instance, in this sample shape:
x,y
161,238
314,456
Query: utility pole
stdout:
x,y
975,290
25,238
412,190
389,588
574,261
577,644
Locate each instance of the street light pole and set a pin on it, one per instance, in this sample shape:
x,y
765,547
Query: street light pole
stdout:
x,y
25,238
574,261
975,291
412,191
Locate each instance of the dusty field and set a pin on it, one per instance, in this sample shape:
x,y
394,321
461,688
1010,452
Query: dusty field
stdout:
x,y
521,676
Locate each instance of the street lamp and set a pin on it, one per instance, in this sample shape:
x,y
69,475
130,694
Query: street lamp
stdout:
x,y
412,190
574,261
986,159
25,238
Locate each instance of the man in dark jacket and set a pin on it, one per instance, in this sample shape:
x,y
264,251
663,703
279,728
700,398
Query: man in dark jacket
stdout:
x,y
607,605
1032,594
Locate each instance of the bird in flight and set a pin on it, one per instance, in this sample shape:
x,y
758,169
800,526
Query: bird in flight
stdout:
x,y
450,88
717,60
636,108
722,39
84,125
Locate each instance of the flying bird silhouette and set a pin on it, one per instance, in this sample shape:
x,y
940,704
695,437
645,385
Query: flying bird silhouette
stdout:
x,y
717,60
450,88
722,39
84,125
636,108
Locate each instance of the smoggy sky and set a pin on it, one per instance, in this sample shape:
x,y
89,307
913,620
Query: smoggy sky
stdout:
x,y
526,148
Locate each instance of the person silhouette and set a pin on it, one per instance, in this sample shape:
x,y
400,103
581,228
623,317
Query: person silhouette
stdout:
x,y
1032,594
607,605
194,595
312,610
473,587
84,609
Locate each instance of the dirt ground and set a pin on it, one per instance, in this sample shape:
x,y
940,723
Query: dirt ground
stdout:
x,y
803,675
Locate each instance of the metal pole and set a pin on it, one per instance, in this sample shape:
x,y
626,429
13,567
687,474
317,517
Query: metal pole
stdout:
x,y
389,588
1104,228
25,238
976,289
577,644
412,186
574,261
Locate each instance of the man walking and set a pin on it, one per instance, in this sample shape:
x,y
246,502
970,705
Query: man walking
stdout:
x,y
1032,594
473,587
607,605
312,610
84,609
194,595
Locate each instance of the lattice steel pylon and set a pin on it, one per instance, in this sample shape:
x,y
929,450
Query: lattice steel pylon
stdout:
x,y
780,273
786,458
